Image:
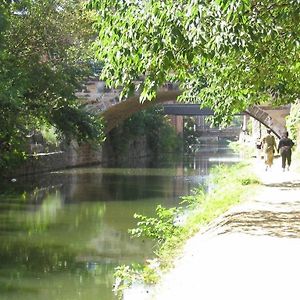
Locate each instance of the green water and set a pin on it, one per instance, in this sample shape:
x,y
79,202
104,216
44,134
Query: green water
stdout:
x,y
63,233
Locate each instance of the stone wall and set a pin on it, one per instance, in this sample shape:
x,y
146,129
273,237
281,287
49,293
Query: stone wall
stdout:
x,y
72,156
135,150
76,155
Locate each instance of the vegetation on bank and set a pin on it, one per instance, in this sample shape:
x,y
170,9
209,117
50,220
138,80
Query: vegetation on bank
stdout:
x,y
45,57
151,124
172,227
244,149
293,122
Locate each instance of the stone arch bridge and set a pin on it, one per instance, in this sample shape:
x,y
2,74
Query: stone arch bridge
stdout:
x,y
106,103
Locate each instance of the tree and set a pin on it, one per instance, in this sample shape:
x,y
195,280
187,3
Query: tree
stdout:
x,y
226,54
151,124
44,58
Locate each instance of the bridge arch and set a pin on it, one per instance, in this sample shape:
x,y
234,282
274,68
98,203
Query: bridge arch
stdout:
x,y
119,112
116,114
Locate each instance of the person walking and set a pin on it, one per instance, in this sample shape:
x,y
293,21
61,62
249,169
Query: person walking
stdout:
x,y
269,149
285,149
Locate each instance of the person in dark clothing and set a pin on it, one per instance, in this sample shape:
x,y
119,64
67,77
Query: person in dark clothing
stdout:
x,y
285,149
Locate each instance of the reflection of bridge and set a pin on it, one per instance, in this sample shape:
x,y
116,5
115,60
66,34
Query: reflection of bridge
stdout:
x,y
106,103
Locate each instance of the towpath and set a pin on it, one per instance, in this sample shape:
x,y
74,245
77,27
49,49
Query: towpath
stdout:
x,y
251,252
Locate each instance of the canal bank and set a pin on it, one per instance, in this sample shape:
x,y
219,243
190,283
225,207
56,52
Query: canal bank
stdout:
x,y
63,233
250,252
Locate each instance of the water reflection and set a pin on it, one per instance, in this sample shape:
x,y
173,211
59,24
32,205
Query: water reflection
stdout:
x,y
62,234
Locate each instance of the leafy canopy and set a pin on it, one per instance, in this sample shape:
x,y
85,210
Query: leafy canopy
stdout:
x,y
44,58
226,54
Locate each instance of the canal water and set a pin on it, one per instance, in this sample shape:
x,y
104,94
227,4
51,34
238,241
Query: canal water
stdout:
x,y
63,233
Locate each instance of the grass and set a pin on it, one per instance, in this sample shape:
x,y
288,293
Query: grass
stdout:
x,y
244,149
296,161
227,188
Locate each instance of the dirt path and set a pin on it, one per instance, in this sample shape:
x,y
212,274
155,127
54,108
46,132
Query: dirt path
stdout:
x,y
251,252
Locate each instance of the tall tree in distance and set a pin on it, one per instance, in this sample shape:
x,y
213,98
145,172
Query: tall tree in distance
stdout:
x,y
225,54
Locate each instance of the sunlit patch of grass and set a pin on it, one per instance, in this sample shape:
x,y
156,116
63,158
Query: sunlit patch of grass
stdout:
x,y
228,186
296,161
247,150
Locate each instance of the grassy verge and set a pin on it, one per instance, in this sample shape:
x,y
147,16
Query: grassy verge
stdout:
x,y
296,161
246,150
227,188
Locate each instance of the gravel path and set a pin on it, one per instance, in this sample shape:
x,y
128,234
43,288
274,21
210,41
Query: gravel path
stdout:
x,y
251,252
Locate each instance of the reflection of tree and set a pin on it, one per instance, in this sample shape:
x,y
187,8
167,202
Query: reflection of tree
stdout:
x,y
46,239
79,224
47,236
115,187
38,220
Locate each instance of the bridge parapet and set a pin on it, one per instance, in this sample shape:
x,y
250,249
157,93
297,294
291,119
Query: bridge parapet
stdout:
x,y
97,98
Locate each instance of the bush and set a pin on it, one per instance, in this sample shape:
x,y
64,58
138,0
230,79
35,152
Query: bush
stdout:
x,y
293,121
201,208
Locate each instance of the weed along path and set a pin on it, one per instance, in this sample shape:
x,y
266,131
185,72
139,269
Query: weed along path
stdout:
x,y
250,252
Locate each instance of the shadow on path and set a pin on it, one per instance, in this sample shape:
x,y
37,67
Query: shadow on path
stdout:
x,y
287,184
274,212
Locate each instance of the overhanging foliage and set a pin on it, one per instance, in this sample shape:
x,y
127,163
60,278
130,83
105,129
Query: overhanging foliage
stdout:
x,y
44,57
225,54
